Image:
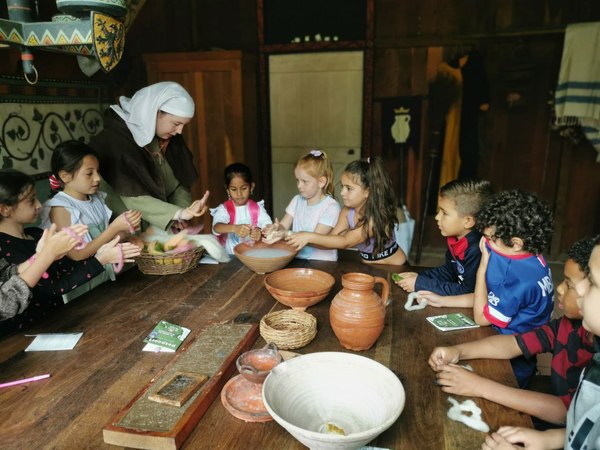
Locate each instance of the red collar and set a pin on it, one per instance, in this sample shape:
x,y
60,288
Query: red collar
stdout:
x,y
458,247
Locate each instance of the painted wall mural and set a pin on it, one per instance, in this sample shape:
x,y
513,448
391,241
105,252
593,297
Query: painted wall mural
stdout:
x,y
34,121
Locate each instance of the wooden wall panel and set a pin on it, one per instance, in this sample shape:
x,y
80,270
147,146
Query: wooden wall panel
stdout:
x,y
522,46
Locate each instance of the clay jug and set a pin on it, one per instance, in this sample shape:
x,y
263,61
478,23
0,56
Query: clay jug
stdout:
x,y
357,313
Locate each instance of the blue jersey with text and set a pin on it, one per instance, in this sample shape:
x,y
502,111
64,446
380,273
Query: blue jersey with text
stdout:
x,y
520,298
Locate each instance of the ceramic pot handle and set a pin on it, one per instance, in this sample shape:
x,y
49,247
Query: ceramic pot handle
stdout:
x,y
385,289
271,346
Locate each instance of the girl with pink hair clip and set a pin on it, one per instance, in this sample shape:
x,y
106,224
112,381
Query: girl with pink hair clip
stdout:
x,y
76,199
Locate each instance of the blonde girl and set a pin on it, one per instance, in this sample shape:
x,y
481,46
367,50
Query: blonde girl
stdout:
x,y
314,209
368,218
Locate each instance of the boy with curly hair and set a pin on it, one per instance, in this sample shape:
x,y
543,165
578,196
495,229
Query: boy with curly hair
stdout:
x,y
514,291
452,284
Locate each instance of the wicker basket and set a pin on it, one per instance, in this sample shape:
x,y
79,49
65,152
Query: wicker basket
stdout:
x,y
288,329
169,264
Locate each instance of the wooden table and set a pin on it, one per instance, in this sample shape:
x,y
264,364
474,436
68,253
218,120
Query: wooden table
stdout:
x,y
90,384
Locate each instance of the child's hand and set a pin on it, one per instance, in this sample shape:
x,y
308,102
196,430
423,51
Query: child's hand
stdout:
x,y
273,233
440,356
407,282
54,244
129,221
459,381
269,229
496,441
273,236
76,232
243,230
485,253
130,251
408,274
298,240
110,252
134,219
45,235
433,299
530,438
196,209
256,234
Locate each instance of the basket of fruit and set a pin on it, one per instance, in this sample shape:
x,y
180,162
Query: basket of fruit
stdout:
x,y
175,255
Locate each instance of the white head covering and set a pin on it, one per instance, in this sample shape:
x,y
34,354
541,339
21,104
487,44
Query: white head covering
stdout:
x,y
139,112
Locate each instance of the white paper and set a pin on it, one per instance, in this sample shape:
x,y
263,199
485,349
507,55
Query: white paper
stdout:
x,y
208,260
158,349
54,341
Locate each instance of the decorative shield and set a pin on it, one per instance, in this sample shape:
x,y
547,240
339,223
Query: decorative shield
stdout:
x,y
109,40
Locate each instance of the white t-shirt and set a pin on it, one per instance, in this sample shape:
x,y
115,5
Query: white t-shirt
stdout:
x,y
306,218
93,212
242,216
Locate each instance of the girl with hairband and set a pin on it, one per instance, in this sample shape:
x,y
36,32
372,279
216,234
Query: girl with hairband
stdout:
x,y
313,209
368,218
145,162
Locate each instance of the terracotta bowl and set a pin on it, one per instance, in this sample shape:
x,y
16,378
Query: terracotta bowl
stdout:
x,y
299,288
263,258
333,400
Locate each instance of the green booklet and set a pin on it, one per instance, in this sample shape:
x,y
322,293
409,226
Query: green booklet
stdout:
x,y
454,321
165,337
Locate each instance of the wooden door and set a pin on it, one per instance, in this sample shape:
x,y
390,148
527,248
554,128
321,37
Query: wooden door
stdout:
x,y
316,101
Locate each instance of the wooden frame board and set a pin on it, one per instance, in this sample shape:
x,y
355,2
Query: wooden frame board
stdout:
x,y
121,432
178,389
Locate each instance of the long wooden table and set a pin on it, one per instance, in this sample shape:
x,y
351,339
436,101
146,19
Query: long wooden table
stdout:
x,y
91,383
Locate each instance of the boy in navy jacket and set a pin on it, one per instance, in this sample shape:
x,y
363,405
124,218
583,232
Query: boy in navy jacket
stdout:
x,y
452,284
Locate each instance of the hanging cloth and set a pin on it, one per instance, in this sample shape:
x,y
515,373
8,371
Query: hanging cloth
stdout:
x,y
577,97
450,163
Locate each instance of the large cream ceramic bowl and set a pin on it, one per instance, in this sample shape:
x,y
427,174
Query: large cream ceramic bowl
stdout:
x,y
319,395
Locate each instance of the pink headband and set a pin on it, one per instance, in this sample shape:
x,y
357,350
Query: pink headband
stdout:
x,y
55,184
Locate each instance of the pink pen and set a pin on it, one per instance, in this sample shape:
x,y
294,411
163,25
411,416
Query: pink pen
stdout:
x,y
24,380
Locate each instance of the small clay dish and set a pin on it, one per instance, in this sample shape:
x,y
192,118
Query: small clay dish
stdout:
x,y
255,365
265,258
243,399
299,288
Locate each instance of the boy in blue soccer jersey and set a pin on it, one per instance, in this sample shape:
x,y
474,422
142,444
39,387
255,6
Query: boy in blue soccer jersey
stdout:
x,y
514,291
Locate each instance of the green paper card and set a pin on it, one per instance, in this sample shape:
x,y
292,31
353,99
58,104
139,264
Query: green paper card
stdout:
x,y
454,321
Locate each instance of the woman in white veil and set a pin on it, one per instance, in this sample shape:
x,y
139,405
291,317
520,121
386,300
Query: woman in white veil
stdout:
x,y
144,160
